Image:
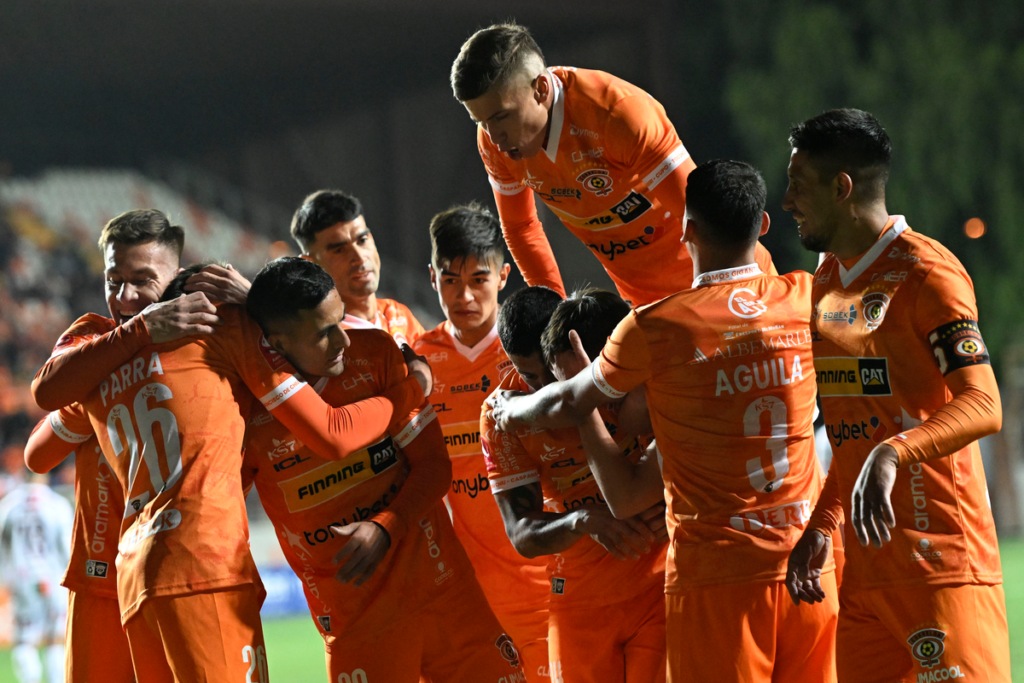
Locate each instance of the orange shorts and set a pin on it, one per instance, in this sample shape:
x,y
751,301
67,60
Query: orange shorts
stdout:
x,y
529,631
751,633
922,634
208,637
456,639
97,647
624,641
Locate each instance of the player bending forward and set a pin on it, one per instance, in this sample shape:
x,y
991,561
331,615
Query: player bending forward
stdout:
x,y
730,389
907,390
404,601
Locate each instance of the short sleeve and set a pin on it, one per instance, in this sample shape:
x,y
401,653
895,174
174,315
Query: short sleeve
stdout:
x,y
625,361
643,139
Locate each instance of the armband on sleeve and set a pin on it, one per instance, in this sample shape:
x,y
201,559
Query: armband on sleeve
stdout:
x,y
958,345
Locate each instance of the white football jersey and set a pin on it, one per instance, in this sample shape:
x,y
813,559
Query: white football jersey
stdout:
x,y
35,534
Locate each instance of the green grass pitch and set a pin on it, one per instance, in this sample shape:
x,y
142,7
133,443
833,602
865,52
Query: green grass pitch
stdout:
x,y
295,651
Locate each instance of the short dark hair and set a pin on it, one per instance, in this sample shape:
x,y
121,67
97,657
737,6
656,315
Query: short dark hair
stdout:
x,y
850,141
321,210
593,313
728,197
462,231
285,287
176,287
523,317
491,56
140,226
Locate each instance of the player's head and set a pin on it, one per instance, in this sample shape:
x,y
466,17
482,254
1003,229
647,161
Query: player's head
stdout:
x,y
725,206
176,287
839,162
594,314
501,79
295,303
521,322
330,230
141,250
467,265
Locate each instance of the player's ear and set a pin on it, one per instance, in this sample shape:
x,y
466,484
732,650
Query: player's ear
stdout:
x,y
307,257
688,229
765,222
276,341
433,276
842,186
503,275
541,87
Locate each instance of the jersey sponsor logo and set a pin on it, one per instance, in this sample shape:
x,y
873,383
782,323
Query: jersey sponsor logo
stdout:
x,y
900,255
166,521
483,385
471,487
958,345
946,674
557,586
290,462
444,572
128,374
874,306
96,569
925,551
439,357
359,514
893,276
922,520
569,505
261,419
462,438
761,374
596,180
744,303
441,407
564,483
98,543
848,316
632,207
275,360
796,513
614,248
853,376
330,480
576,130
283,447
579,155
843,432
927,646
560,192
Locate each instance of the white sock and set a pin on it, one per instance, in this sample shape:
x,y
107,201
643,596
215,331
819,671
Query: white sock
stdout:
x,y
55,663
27,667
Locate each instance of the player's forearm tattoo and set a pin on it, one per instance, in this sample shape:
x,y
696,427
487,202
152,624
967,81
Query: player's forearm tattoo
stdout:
x,y
523,500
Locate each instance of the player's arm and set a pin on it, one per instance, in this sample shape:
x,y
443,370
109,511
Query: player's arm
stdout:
x,y
55,438
809,555
946,315
628,488
88,352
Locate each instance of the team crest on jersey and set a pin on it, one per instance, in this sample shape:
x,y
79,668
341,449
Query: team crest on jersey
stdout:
x,y
96,569
875,305
927,646
744,303
508,650
596,180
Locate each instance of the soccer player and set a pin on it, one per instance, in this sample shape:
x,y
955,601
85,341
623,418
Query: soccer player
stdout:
x,y
607,613
97,648
730,389
405,602
600,153
467,270
906,390
35,526
182,481
330,230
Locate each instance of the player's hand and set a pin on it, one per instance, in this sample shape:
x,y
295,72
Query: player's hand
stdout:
x,y
367,545
220,283
500,403
187,315
872,507
625,539
566,366
654,518
803,574
418,368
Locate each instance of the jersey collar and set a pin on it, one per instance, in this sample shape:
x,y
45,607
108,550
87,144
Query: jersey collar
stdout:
x,y
714,277
355,323
871,255
471,353
557,116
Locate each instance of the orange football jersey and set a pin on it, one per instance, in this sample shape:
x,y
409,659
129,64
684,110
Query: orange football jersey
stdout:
x,y
306,495
170,422
730,389
887,327
394,318
609,146
463,379
586,573
99,507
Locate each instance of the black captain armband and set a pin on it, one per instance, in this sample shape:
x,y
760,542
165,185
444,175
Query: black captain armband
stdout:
x,y
958,345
